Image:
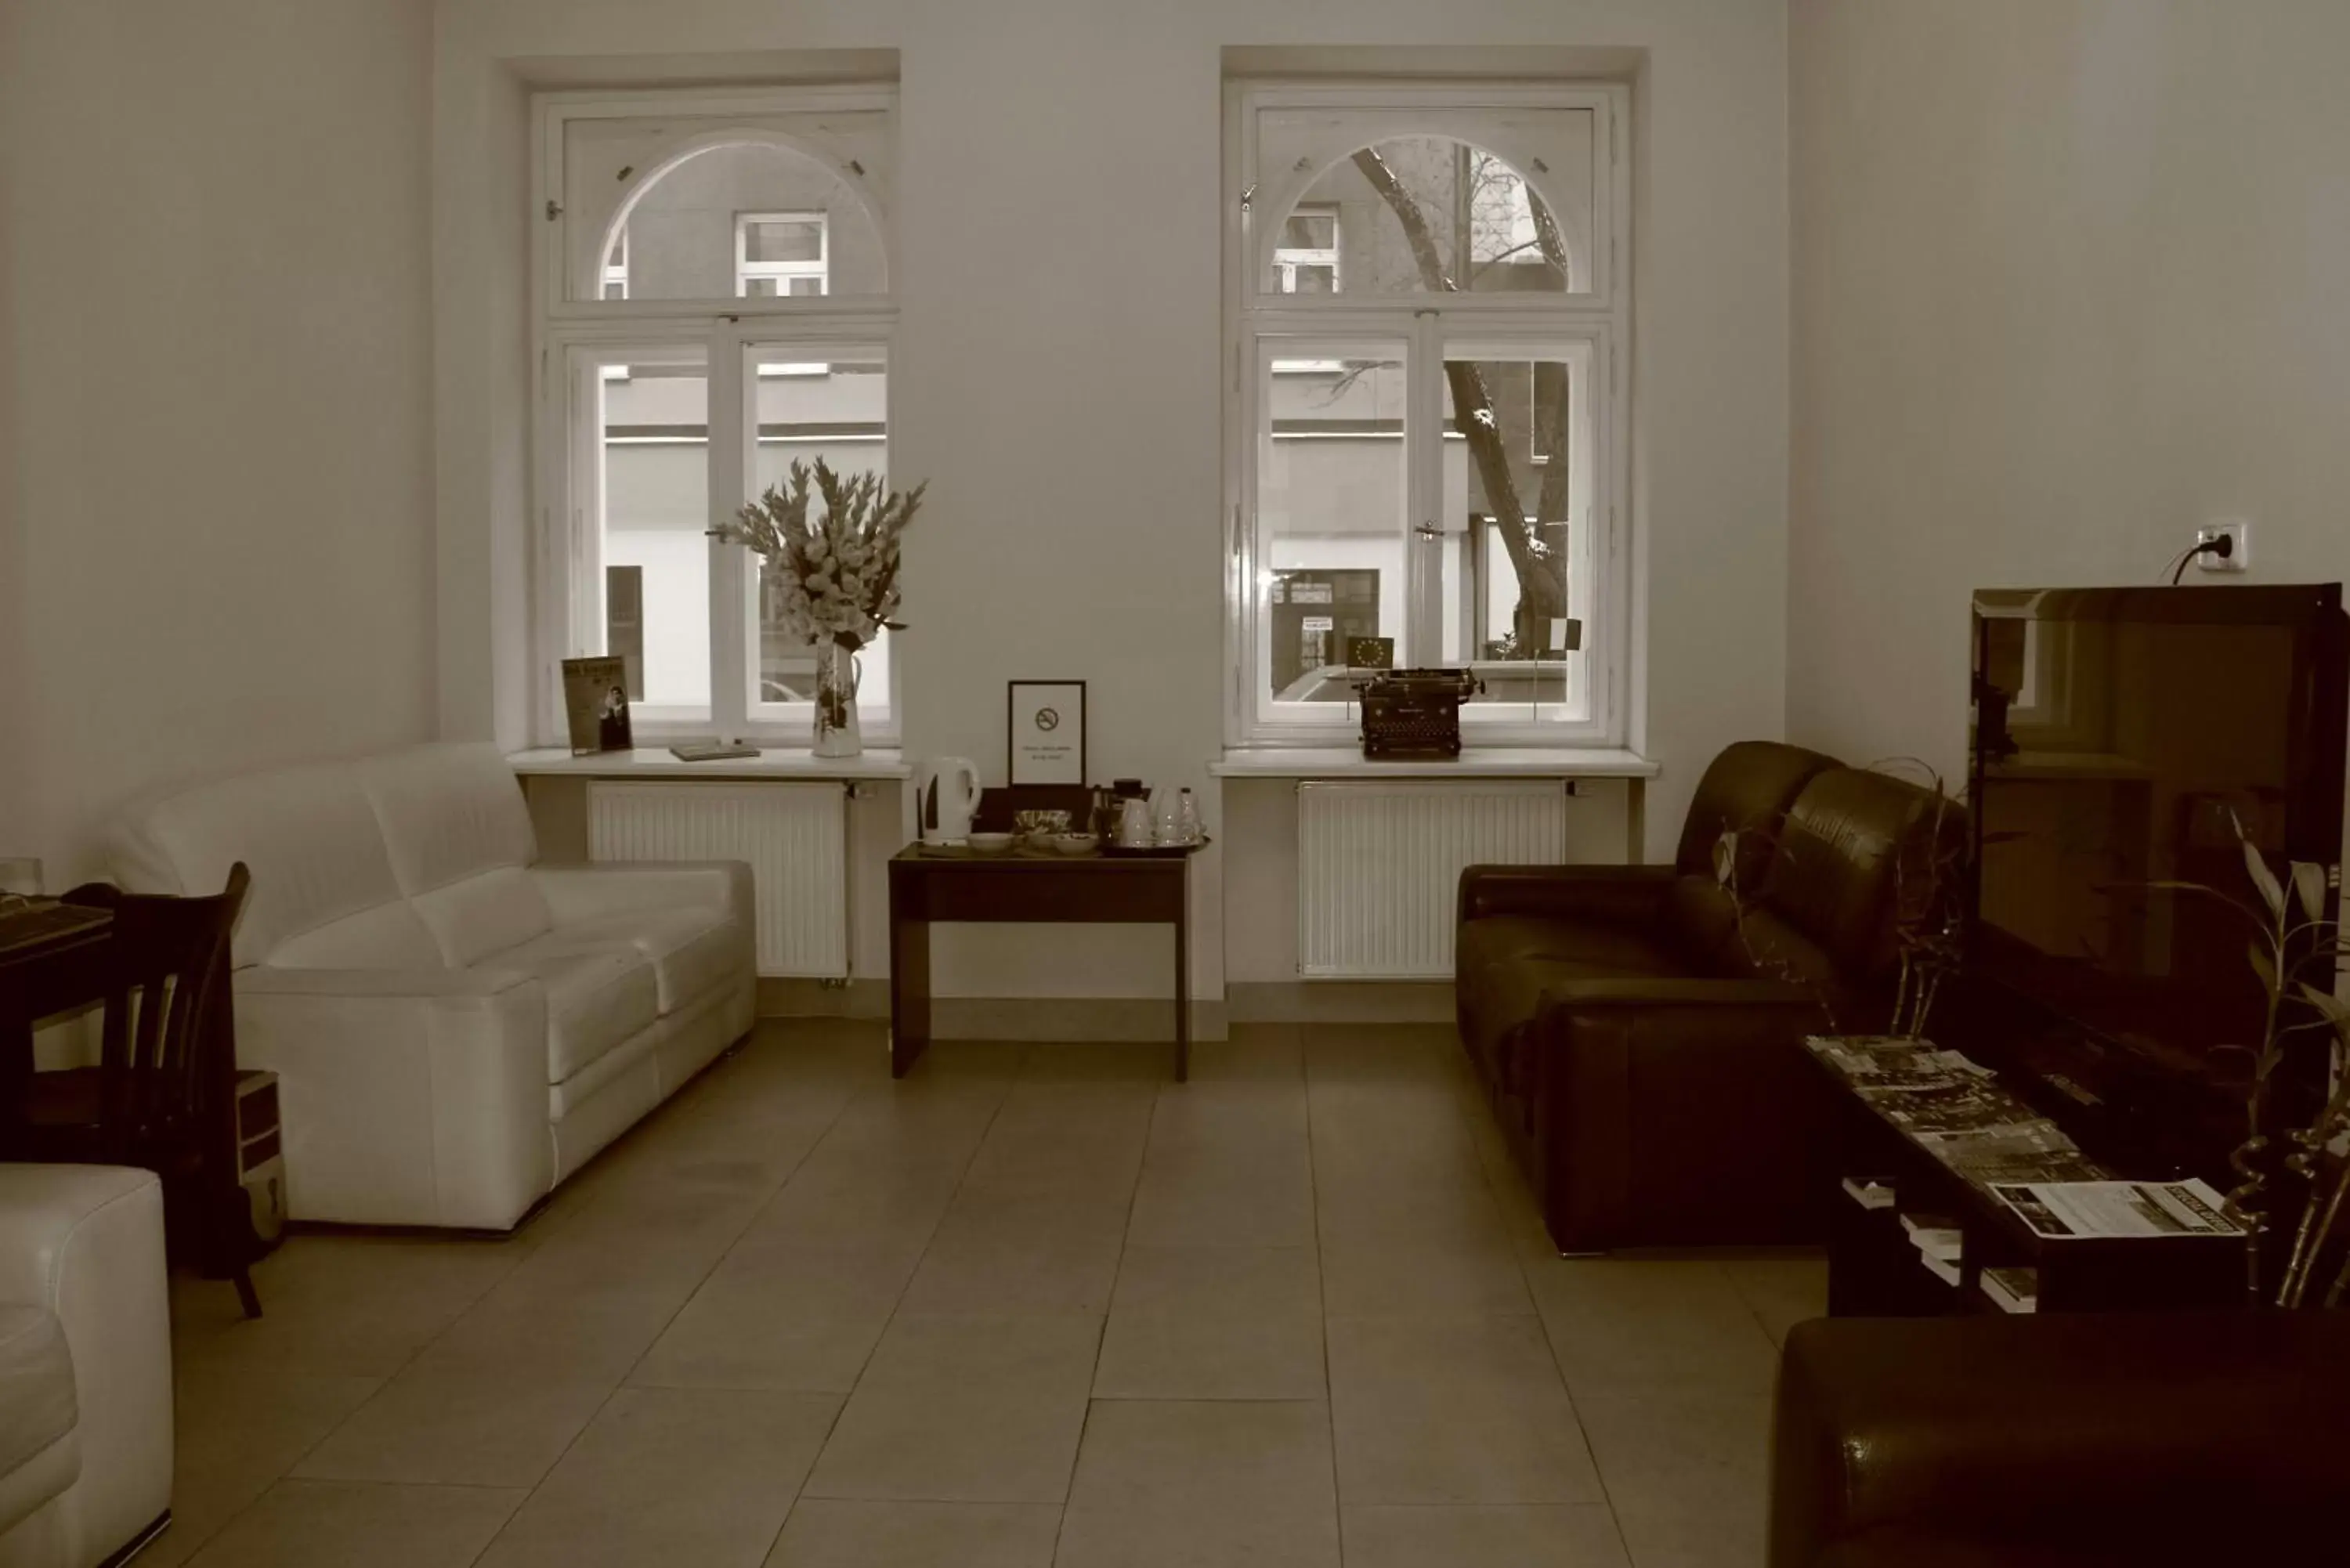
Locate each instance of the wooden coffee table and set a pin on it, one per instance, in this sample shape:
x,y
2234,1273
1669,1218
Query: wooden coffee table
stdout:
x,y
927,887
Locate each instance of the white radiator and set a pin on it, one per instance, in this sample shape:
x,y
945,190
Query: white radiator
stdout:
x,y
1378,866
795,835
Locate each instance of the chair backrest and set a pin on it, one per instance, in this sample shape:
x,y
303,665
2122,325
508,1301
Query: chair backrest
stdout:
x,y
167,1062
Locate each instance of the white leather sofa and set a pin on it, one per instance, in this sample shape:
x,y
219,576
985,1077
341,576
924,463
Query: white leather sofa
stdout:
x,y
85,1363
455,1028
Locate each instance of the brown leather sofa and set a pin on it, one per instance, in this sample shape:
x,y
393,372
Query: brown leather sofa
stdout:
x,y
1638,1029
2079,1440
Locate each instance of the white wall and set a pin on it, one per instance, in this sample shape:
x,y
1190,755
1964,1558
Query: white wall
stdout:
x,y
215,508
2072,276
1059,375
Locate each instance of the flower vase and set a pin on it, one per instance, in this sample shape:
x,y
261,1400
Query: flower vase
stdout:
x,y
837,732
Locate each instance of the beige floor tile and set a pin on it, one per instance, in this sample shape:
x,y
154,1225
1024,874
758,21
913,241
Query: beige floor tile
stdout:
x,y
361,1524
1254,1052
1048,1259
1689,1476
472,1427
340,1305
1163,1483
591,1334
1398,1207
1262,1196
1576,1535
1782,1291
779,1316
238,1428
1213,1323
964,1410
1453,1410
671,1476
1630,1326
1367,1279
829,1533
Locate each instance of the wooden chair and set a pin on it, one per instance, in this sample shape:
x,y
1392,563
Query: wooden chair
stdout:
x,y
163,1093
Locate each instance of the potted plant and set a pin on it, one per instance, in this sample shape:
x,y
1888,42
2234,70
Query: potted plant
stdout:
x,y
832,579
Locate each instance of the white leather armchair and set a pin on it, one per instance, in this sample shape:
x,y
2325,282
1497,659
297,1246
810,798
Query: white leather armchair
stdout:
x,y
455,1028
85,1363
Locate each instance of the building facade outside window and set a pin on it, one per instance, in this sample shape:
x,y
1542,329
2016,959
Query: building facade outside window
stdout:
x,y
711,270
1426,433
779,254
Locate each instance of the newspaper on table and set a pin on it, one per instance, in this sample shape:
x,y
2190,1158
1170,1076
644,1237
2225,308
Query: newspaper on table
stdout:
x,y
1886,1062
2076,1210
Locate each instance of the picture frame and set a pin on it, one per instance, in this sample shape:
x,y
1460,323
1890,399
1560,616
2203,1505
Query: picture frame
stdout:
x,y
1042,745
596,704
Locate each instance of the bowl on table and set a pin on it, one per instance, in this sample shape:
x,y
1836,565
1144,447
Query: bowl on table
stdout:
x,y
991,842
1040,824
1075,842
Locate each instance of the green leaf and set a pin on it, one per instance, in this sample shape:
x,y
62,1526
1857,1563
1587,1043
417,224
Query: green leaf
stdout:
x,y
2263,966
2309,887
2325,1001
2257,867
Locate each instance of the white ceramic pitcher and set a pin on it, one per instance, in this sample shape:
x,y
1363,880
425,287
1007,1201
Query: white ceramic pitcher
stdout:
x,y
947,794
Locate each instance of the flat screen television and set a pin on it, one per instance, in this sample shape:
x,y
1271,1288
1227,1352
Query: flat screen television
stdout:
x,y
2119,737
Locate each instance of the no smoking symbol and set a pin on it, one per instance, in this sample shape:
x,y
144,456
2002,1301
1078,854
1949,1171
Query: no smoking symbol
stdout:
x,y
1048,718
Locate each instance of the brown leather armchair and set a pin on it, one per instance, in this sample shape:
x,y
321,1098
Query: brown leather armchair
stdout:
x,y
2079,1440
1639,1029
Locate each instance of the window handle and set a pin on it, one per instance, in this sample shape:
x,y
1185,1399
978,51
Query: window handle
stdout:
x,y
1428,531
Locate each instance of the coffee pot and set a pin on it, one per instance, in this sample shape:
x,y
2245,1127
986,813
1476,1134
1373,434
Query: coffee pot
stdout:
x,y
946,793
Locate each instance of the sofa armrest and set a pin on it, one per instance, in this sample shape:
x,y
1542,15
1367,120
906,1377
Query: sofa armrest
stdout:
x,y
2168,1438
1609,895
575,893
407,1097
86,1242
1681,1113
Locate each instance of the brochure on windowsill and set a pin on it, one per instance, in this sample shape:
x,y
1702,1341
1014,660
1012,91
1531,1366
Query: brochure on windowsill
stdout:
x,y
2011,1290
2081,1211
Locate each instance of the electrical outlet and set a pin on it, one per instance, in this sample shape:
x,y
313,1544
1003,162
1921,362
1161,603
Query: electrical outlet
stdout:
x,y
2238,532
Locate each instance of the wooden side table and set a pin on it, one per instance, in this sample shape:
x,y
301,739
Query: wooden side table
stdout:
x,y
1026,887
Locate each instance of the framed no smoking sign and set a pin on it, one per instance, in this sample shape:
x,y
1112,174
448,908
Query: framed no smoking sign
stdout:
x,y
1047,724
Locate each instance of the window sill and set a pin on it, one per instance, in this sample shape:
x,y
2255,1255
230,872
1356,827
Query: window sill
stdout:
x,y
1478,762
648,762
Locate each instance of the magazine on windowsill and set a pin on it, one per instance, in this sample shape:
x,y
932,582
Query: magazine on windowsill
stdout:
x,y
2080,1211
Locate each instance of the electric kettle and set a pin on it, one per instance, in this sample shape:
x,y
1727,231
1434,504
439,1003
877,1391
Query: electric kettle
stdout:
x,y
946,793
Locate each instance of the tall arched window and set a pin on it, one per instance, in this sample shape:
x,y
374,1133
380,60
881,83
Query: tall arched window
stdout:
x,y
712,276
1430,311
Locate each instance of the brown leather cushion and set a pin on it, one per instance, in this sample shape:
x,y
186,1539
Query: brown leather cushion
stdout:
x,y
1832,878
1514,966
1746,789
1912,1549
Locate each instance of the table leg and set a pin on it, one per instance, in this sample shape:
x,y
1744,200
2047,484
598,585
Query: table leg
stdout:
x,y
1183,985
910,992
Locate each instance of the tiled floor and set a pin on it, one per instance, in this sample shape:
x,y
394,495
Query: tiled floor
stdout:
x,y
1034,1306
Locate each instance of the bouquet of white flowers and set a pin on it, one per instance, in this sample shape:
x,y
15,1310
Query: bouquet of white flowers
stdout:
x,y
835,579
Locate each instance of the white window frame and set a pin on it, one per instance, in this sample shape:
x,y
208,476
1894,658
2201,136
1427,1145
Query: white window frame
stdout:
x,y
783,272
1597,322
577,339
617,272
1287,259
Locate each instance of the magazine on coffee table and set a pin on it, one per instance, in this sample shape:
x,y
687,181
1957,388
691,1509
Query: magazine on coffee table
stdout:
x,y
2079,1210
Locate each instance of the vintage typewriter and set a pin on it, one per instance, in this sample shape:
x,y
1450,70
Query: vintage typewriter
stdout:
x,y
1413,712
